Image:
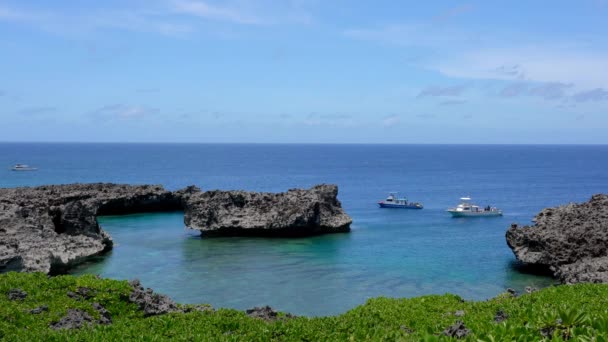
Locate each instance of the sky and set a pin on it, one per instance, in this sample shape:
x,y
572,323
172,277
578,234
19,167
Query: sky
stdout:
x,y
304,71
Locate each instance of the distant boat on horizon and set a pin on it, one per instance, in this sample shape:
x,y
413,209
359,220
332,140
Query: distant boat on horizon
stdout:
x,y
393,202
23,167
468,209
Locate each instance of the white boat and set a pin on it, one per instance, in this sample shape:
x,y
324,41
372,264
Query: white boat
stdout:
x,y
468,209
23,167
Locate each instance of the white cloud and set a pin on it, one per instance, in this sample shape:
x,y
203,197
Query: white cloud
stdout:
x,y
391,120
74,22
586,69
208,11
123,112
456,53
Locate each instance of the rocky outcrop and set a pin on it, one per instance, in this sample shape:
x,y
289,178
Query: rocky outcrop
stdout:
x,y
51,228
292,213
571,241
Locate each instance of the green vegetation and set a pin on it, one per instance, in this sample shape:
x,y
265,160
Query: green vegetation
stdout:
x,y
577,312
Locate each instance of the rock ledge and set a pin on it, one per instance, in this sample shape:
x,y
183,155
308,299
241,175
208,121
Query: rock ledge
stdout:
x,y
51,228
570,241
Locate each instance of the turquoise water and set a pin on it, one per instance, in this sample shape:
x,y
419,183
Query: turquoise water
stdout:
x,y
398,253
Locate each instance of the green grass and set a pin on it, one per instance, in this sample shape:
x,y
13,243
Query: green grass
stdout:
x,y
567,312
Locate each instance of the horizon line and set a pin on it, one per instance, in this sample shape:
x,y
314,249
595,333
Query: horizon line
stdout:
x,y
294,143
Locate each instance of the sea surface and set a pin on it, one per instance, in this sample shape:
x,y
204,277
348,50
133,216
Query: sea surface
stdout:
x,y
390,252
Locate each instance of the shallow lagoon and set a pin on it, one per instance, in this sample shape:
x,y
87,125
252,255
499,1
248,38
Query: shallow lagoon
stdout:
x,y
398,253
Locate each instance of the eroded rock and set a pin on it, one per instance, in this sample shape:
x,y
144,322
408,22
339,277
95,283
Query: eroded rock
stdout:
x,y
104,316
293,213
39,310
266,313
457,330
570,241
74,319
51,228
151,303
500,316
16,294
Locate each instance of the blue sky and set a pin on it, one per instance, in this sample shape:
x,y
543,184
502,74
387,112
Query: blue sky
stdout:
x,y
305,71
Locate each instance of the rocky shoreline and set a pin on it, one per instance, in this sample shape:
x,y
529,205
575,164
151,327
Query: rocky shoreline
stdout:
x,y
570,241
51,228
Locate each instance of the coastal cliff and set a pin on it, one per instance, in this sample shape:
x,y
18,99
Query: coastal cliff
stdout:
x,y
570,241
51,228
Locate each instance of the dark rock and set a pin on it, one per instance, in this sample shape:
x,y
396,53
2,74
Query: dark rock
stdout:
x,y
198,308
512,292
571,241
81,293
530,289
74,319
39,310
151,303
16,294
500,316
51,228
457,330
293,213
266,313
104,315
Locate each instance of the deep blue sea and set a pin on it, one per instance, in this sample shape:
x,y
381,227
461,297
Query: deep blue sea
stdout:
x,y
390,252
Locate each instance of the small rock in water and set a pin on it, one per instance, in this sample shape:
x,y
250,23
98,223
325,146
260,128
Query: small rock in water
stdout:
x,y
39,310
16,294
74,319
458,330
500,316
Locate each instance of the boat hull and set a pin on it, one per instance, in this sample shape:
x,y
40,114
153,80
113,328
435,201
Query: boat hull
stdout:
x,y
456,213
399,206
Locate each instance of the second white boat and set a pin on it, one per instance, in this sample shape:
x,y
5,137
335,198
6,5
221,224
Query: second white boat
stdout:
x,y
468,209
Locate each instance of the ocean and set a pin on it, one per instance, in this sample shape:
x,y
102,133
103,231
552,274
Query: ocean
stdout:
x,y
389,252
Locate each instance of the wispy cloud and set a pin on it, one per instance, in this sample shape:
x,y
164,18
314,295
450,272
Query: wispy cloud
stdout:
x,y
329,119
551,90
457,52
455,90
33,111
453,12
123,112
566,63
208,11
148,90
597,94
452,102
74,22
391,120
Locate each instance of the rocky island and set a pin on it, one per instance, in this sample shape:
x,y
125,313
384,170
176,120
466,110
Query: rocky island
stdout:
x,y
570,241
51,228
